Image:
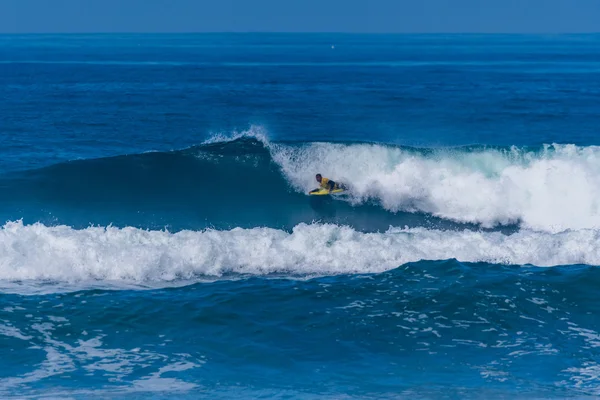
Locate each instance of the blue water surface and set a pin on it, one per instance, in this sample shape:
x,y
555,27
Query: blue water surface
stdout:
x,y
158,241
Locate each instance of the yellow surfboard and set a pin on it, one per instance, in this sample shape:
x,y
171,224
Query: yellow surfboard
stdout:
x,y
324,192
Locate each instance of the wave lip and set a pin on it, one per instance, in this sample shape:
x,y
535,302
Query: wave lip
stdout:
x,y
108,254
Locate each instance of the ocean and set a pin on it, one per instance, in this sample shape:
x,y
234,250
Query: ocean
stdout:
x,y
157,239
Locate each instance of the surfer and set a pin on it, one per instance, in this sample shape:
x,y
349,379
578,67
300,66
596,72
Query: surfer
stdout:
x,y
328,183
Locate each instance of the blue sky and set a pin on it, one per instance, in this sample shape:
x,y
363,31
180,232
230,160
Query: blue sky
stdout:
x,y
510,16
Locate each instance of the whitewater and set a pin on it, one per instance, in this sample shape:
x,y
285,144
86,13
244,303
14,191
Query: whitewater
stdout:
x,y
62,254
552,188
547,194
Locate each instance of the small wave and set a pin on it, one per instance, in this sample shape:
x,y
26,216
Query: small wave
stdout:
x,y
61,254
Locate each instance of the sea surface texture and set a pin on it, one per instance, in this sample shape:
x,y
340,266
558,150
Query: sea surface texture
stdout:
x,y
157,239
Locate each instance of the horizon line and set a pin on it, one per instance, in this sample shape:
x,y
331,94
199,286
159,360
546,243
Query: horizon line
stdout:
x,y
296,33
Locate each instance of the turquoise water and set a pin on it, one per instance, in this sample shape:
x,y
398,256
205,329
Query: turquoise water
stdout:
x,y
157,239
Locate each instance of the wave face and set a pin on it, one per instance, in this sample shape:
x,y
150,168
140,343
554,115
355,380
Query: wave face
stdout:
x,y
111,256
248,181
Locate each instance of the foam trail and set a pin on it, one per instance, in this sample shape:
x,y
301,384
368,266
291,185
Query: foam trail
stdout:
x,y
62,254
552,189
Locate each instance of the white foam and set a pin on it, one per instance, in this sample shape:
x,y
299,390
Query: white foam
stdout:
x,y
552,190
117,365
63,255
254,132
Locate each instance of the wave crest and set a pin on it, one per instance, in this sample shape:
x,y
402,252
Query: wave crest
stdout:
x,y
63,254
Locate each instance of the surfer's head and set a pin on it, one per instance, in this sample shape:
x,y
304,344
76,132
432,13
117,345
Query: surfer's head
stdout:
x,y
319,177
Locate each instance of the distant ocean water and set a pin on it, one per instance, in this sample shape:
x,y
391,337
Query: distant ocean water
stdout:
x,y
157,239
